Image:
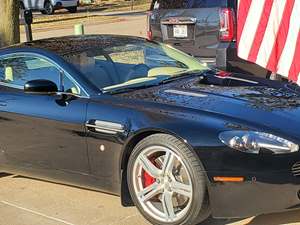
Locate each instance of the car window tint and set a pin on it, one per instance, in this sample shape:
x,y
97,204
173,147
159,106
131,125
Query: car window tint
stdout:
x,y
126,58
131,64
188,4
94,66
19,70
70,86
135,61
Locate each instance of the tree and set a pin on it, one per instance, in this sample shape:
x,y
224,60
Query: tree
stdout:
x,y
9,22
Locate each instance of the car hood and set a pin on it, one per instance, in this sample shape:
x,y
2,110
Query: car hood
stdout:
x,y
268,105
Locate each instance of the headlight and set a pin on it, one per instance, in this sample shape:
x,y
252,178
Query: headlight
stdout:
x,y
253,142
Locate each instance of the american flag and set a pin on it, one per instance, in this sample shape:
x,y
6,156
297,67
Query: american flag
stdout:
x,y
268,34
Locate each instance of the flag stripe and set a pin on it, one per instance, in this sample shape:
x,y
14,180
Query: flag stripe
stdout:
x,y
281,36
271,32
243,9
295,67
268,34
250,27
286,58
260,32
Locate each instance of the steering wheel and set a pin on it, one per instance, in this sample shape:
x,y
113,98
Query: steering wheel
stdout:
x,y
138,71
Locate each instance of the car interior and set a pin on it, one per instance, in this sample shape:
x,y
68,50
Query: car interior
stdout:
x,y
33,69
130,65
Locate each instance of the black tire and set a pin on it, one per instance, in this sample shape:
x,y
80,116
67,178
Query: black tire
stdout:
x,y
72,9
48,8
22,7
199,210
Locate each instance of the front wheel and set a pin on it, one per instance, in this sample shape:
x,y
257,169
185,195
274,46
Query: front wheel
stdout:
x,y
48,8
22,6
167,181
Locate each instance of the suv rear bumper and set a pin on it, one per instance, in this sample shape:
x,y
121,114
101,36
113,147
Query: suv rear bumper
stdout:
x,y
227,59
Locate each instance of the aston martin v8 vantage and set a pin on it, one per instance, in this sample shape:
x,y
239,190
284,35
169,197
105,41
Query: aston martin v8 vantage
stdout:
x,y
151,124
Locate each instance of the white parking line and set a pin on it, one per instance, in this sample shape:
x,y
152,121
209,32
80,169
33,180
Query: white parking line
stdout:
x,y
36,213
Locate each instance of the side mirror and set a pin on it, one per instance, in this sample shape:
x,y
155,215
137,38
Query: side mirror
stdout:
x,y
43,87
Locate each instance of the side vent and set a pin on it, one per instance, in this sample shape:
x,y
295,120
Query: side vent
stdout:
x,y
296,169
104,127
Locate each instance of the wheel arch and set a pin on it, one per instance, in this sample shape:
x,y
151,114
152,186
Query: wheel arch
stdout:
x,y
126,152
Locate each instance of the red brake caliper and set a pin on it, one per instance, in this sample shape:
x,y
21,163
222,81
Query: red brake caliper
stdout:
x,y
147,178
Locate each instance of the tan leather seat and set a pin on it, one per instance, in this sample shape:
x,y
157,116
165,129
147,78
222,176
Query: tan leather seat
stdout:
x,y
9,74
75,90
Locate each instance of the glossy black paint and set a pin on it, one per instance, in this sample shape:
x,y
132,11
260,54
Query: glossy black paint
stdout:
x,y
46,136
40,87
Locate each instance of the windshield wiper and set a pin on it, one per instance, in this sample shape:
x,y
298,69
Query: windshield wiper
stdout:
x,y
183,75
127,89
164,81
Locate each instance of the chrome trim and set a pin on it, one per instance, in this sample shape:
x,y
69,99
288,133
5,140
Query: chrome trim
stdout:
x,y
106,127
182,20
59,93
207,60
193,94
296,169
11,85
239,79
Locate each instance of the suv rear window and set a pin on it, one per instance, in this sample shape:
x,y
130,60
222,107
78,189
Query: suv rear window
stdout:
x,y
188,4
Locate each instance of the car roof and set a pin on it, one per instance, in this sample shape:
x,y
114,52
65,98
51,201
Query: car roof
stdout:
x,y
77,43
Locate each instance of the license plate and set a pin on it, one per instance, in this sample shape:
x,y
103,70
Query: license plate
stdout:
x,y
180,31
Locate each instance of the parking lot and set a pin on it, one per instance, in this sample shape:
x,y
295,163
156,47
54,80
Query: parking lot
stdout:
x,y
126,23
25,201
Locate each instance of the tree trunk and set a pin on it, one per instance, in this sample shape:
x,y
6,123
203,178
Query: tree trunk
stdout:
x,y
9,22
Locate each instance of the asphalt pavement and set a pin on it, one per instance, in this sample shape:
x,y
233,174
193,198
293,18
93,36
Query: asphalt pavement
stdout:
x,y
26,201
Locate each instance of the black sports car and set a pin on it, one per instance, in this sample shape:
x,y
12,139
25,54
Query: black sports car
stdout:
x,y
151,124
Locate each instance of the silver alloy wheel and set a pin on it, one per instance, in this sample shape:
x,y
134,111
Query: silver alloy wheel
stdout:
x,y
168,198
48,8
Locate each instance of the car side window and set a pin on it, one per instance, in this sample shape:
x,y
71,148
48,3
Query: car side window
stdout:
x,y
19,70
16,71
70,87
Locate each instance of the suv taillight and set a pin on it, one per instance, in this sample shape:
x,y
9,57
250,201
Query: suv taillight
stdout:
x,y
149,31
227,24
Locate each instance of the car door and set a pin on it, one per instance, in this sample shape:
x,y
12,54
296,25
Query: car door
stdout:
x,y
41,131
31,4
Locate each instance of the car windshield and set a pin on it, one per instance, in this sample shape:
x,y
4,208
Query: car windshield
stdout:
x,y
133,65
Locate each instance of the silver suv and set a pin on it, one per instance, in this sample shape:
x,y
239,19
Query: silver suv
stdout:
x,y
49,6
205,29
